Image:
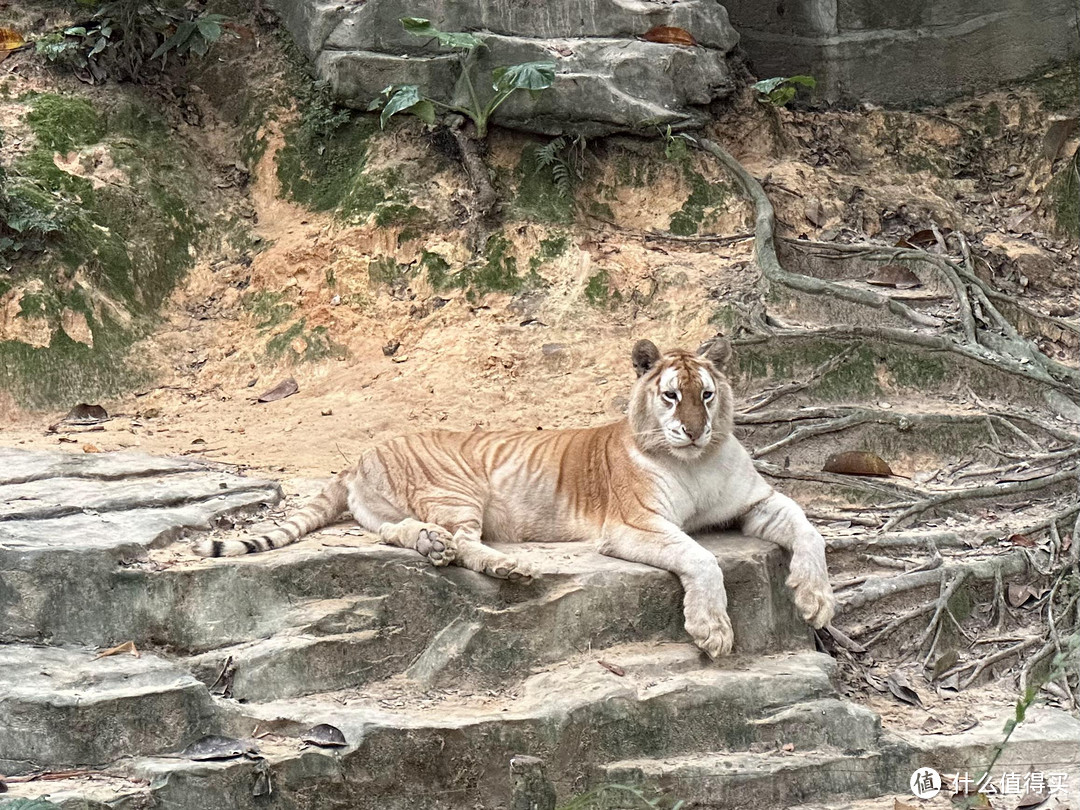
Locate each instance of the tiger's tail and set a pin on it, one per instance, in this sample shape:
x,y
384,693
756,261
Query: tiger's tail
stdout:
x,y
323,509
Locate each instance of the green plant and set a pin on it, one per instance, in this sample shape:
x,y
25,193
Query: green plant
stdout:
x,y
505,81
123,36
779,90
565,158
28,217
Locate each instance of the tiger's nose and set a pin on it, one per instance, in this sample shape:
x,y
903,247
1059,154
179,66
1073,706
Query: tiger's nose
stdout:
x,y
690,433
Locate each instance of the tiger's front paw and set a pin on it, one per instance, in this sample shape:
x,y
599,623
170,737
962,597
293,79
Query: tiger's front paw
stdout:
x,y
809,582
711,630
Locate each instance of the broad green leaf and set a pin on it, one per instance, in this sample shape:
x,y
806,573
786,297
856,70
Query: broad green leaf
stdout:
x,y
424,110
805,81
461,41
407,98
766,86
782,95
526,76
209,29
99,46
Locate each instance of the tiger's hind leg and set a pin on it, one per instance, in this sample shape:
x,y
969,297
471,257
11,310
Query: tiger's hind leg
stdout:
x,y
462,547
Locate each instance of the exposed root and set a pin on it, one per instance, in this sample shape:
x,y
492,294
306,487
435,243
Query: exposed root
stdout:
x,y
476,168
877,588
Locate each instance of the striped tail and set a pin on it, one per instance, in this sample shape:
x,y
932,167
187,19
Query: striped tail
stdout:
x,y
323,509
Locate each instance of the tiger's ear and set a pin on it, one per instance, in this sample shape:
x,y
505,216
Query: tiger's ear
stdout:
x,y
717,351
644,356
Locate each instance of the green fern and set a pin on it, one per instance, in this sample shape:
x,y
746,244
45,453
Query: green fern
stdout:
x,y
565,160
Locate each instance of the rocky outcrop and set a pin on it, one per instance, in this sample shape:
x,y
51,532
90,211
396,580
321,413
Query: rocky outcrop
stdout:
x,y
609,78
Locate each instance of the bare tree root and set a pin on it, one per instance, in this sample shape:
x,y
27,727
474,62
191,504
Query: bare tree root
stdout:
x,y
1012,342
877,588
974,331
486,198
765,250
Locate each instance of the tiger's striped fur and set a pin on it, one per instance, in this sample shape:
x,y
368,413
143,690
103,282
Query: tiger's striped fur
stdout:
x,y
638,485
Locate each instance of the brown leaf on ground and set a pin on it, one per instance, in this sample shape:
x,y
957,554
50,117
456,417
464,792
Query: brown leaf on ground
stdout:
x,y
10,39
91,448
612,668
857,462
945,662
1032,799
126,647
669,35
285,388
901,687
1022,540
1020,595
84,414
894,275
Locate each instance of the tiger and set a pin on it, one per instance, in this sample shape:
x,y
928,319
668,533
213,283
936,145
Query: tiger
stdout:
x,y
637,486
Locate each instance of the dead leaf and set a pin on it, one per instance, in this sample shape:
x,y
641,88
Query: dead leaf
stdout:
x,y
615,669
285,388
899,805
950,687
1032,799
814,212
875,677
669,35
214,747
1021,540
894,275
400,358
922,239
84,414
857,462
325,736
10,40
901,687
1020,595
945,662
126,647
90,448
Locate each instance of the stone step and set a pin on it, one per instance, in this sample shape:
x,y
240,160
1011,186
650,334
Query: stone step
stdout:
x,y
65,708
467,623
291,665
320,645
746,781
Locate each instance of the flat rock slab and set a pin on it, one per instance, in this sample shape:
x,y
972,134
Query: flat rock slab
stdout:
x,y
63,707
68,521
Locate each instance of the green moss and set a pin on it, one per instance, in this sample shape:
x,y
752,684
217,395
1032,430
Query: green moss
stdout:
x,y
326,173
129,243
599,293
60,123
1059,86
537,197
496,271
268,307
1064,196
703,196
316,344
438,269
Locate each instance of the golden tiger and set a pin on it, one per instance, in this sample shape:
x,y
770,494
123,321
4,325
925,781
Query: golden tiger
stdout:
x,y
671,466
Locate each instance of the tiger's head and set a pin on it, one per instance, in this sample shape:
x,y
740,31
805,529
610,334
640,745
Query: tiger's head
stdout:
x,y
681,403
